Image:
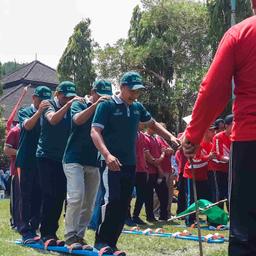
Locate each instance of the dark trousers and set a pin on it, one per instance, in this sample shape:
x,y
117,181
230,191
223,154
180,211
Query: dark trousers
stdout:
x,y
218,183
53,185
30,200
163,196
150,186
15,219
181,205
202,193
140,184
242,239
117,186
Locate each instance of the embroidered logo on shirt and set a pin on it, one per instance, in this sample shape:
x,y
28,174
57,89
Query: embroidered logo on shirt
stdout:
x,y
118,112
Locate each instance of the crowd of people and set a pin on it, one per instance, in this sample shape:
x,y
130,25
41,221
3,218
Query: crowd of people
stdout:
x,y
89,154
70,150
59,140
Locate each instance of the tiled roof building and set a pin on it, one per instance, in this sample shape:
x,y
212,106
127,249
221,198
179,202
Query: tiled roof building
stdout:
x,y
31,75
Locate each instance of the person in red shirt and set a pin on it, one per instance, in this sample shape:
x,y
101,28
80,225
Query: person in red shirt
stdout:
x,y
181,160
181,183
200,169
234,59
10,150
168,177
219,165
140,178
154,156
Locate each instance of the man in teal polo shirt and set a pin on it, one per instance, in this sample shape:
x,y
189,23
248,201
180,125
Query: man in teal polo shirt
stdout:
x,y
55,129
29,119
114,130
80,163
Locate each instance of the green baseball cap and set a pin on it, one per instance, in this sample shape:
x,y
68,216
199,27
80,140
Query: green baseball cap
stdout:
x,y
67,88
133,80
43,92
102,87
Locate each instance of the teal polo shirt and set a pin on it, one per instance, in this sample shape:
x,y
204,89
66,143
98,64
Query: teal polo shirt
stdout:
x,y
53,138
80,148
26,155
119,122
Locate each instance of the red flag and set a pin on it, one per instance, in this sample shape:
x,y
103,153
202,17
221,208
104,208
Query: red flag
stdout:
x,y
15,109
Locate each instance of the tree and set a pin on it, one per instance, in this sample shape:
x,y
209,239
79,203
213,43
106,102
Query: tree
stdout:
x,y
219,18
3,158
11,66
76,61
168,43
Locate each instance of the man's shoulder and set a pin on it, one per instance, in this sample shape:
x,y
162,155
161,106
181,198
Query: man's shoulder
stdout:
x,y
110,103
79,104
14,131
137,104
26,111
242,27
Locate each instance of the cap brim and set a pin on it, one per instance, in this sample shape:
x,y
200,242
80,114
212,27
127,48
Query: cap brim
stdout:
x,y
70,94
45,98
137,87
105,93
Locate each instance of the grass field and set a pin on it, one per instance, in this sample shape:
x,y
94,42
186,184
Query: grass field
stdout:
x,y
132,244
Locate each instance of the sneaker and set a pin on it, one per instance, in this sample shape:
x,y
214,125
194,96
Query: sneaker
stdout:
x,y
118,252
84,244
129,222
138,220
73,243
49,241
162,219
30,238
152,220
103,248
59,242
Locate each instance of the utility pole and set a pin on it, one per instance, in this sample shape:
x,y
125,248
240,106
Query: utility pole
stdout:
x,y
233,12
232,23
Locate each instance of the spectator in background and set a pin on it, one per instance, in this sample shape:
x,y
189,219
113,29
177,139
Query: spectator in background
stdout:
x,y
219,165
10,150
181,185
141,177
200,169
168,177
219,125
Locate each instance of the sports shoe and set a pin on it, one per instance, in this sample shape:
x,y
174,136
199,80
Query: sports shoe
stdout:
x,y
162,219
103,248
30,238
84,244
117,252
49,241
129,222
73,243
153,219
138,220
